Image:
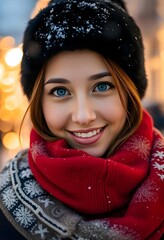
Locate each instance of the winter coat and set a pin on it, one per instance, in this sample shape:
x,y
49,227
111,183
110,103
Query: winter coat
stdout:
x,y
7,231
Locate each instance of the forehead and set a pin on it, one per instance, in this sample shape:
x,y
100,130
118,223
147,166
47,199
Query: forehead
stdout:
x,y
76,62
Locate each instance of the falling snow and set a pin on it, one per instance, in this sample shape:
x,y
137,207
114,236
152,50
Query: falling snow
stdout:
x,y
86,4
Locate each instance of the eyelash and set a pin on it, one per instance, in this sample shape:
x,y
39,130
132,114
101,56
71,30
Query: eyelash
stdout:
x,y
108,84
58,88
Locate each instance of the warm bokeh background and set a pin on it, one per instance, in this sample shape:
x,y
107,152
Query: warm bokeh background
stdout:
x,y
14,15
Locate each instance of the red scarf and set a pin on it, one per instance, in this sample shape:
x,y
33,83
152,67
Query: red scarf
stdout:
x,y
128,187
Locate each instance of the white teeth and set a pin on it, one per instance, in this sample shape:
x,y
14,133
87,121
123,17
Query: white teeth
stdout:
x,y
87,135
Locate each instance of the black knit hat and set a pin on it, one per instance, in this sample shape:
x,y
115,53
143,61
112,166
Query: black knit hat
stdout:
x,y
100,25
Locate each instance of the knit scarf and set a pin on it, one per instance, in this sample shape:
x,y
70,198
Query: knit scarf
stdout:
x,y
126,189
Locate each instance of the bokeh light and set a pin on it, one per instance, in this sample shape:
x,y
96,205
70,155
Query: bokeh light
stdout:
x,y
10,140
13,57
11,103
7,43
8,84
2,70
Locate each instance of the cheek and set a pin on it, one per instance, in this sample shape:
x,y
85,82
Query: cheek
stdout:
x,y
55,116
113,111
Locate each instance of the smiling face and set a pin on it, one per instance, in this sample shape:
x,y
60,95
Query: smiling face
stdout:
x,y
80,101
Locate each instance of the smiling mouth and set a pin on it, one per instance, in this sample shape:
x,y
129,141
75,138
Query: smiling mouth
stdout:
x,y
87,134
88,137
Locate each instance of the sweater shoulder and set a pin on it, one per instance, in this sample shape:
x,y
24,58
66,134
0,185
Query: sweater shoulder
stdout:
x,y
8,196
28,207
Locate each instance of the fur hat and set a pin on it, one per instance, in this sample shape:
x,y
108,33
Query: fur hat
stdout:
x,y
103,26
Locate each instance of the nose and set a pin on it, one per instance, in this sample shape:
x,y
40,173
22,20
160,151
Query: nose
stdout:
x,y
83,113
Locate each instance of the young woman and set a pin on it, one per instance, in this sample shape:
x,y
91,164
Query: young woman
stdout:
x,y
94,169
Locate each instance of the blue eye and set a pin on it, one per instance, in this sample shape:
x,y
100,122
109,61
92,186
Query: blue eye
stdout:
x,y
102,87
59,92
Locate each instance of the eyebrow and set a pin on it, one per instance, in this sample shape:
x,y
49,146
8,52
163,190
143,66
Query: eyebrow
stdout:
x,y
57,80
92,77
99,75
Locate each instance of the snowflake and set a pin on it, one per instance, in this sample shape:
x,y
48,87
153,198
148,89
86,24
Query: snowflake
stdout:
x,y
122,232
41,231
160,167
23,164
32,188
161,176
159,143
37,148
24,216
46,202
5,179
139,145
159,154
146,193
9,198
26,173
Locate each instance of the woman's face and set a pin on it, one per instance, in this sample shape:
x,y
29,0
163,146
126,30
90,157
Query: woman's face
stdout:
x,y
80,101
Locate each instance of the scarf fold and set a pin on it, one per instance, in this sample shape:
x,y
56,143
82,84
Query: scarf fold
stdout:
x,y
127,187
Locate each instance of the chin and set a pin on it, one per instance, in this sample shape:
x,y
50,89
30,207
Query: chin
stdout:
x,y
95,153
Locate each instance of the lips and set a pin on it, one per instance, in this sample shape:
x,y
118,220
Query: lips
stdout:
x,y
87,134
88,137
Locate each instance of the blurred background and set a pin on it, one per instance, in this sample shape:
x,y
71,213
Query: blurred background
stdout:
x,y
149,14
